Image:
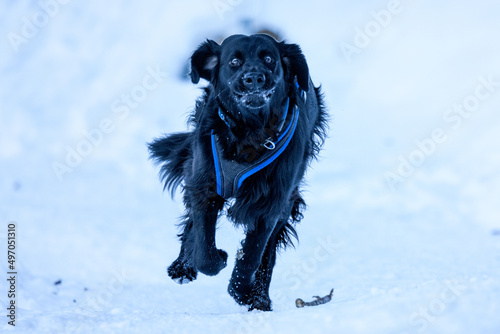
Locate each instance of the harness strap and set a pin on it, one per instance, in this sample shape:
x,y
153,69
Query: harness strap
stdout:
x,y
230,175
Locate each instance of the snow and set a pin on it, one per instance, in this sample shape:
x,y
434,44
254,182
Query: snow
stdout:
x,y
417,251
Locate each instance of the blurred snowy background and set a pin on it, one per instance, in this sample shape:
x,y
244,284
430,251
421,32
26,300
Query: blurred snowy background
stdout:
x,y
403,218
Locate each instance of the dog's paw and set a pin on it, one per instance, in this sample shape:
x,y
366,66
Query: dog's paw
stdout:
x,y
181,272
239,293
223,256
259,301
211,265
254,298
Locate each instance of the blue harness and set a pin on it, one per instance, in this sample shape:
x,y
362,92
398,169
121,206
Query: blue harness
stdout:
x,y
230,174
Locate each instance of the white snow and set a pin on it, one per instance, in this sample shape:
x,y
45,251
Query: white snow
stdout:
x,y
419,256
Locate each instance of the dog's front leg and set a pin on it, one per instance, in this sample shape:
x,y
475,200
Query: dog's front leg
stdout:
x,y
248,261
205,256
198,250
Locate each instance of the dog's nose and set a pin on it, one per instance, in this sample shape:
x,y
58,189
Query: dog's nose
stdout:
x,y
253,80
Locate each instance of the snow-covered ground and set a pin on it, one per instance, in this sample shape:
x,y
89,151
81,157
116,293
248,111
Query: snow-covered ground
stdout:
x,y
403,218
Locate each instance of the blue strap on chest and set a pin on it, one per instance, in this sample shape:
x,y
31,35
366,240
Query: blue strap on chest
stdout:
x,y
230,175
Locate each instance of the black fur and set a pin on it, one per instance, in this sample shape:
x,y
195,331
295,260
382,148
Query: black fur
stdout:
x,y
250,78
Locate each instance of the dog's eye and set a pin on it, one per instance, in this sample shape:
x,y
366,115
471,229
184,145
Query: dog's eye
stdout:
x,y
268,59
235,62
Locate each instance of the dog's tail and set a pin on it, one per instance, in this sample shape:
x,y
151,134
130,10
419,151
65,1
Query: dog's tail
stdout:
x,y
171,152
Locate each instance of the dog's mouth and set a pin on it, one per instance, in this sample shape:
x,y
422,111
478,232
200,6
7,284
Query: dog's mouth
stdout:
x,y
254,100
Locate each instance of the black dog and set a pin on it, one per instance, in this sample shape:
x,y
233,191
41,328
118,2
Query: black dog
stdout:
x,y
257,126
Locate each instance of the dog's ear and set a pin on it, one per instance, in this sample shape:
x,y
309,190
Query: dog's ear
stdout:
x,y
205,61
295,64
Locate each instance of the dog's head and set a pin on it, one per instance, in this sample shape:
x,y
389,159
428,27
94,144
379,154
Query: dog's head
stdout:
x,y
251,75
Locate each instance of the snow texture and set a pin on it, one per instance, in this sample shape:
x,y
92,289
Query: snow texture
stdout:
x,y
403,218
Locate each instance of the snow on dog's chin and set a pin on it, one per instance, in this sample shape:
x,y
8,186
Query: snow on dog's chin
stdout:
x,y
254,100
